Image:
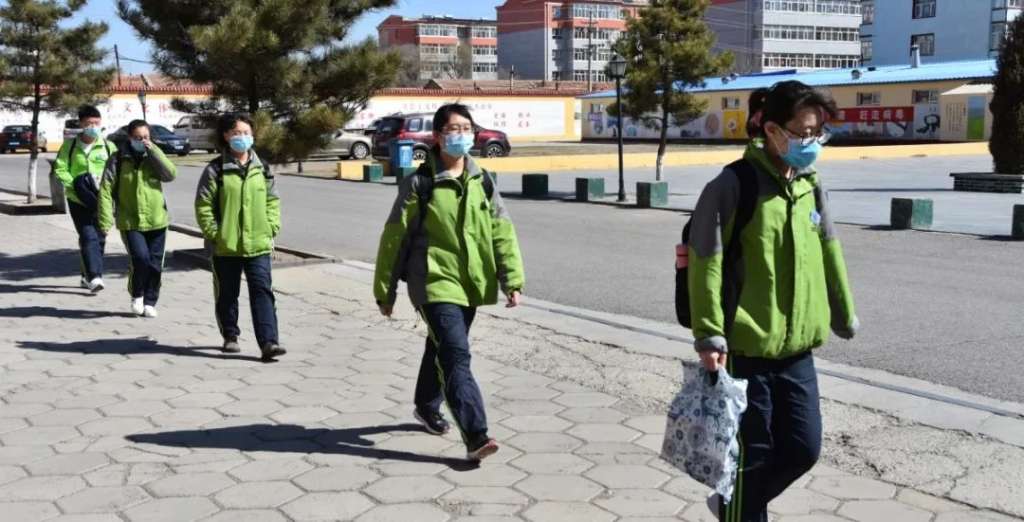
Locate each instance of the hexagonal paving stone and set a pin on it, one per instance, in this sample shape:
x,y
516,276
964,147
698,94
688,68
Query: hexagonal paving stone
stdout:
x,y
328,506
185,417
303,415
171,510
23,454
69,464
593,415
190,485
248,407
545,442
41,436
641,502
336,479
87,518
258,495
567,512
9,425
201,400
23,410
29,511
103,499
536,424
119,426
802,502
393,490
511,408
853,488
41,488
687,489
586,400
275,469
64,417
417,512
135,408
559,487
528,394
268,391
247,515
496,475
552,463
874,510
625,476
475,496
11,473
604,433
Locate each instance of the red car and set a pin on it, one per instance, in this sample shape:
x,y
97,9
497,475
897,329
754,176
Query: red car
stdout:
x,y
15,137
420,129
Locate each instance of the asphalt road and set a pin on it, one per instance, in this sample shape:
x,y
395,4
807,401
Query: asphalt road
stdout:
x,y
946,308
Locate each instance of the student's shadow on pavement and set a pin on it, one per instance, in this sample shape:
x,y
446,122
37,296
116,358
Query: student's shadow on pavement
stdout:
x,y
299,439
129,346
23,312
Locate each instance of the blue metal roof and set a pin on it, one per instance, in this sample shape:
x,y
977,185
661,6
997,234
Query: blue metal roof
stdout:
x,y
965,70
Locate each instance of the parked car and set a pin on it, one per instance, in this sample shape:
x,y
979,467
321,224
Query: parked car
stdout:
x,y
72,128
420,127
347,144
199,131
15,137
168,141
372,128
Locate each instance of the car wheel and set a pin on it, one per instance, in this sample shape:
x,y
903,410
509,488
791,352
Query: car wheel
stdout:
x,y
494,150
359,151
419,155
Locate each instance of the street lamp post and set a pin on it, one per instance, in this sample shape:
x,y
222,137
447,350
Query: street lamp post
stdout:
x,y
142,100
617,68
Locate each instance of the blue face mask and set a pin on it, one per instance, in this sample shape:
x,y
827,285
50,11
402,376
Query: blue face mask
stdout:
x,y
800,156
458,145
91,132
240,143
138,146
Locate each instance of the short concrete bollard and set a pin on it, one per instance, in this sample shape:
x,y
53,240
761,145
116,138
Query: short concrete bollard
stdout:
x,y
911,214
652,194
1017,229
535,185
373,172
589,189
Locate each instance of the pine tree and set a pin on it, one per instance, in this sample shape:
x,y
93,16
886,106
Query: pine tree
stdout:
x,y
668,48
46,66
283,61
1008,104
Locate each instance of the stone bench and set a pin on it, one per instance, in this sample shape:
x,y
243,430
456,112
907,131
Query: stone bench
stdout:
x,y
589,189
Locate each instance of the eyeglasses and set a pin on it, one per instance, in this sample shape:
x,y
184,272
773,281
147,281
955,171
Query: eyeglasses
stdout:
x,y
821,138
457,129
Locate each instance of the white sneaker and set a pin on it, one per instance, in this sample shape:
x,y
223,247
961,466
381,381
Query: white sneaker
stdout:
x,y
96,285
137,307
150,312
84,283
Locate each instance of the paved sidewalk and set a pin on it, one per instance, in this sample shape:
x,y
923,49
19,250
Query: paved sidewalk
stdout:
x,y
108,417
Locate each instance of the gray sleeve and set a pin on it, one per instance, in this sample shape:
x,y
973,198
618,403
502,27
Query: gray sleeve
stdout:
x,y
714,212
828,227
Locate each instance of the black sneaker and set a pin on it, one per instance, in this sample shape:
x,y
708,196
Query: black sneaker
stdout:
x,y
231,346
432,421
482,449
270,351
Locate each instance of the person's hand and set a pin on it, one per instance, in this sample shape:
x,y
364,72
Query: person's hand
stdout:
x,y
713,360
386,310
515,298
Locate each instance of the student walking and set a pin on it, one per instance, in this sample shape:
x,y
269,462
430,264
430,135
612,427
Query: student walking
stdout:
x,y
239,211
79,167
132,193
450,237
767,282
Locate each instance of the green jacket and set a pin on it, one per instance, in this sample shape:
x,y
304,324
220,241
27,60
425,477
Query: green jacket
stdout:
x,y
132,190
794,285
463,251
237,207
71,164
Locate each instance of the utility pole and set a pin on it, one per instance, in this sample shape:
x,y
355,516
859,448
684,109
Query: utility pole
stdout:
x,y
590,53
117,62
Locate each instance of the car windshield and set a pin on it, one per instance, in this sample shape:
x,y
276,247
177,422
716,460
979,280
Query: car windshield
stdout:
x,y
14,128
389,125
163,132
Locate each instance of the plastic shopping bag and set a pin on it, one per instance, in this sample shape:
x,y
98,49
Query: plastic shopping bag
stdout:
x,y
700,436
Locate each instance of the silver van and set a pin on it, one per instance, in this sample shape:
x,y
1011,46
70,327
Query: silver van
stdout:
x,y
200,132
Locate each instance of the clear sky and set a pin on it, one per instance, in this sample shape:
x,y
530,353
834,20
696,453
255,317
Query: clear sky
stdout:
x,y
130,46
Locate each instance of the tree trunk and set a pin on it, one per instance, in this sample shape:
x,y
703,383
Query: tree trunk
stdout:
x,y
254,105
663,140
33,155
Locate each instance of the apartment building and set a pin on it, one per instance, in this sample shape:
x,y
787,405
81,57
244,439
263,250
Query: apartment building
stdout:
x,y
442,47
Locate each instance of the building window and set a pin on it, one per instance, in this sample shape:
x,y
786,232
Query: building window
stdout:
x,y
845,7
869,99
788,60
731,103
485,67
836,61
581,75
837,34
557,33
788,32
924,8
867,49
998,35
556,76
485,50
1003,4
925,97
485,32
597,11
925,42
556,12
867,12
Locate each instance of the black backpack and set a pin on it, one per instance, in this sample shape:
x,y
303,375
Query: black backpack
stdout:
x,y
731,279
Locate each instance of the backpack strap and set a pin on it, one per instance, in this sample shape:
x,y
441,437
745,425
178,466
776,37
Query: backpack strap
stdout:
x,y
732,267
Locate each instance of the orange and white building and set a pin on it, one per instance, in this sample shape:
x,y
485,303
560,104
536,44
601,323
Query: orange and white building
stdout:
x,y
565,40
441,43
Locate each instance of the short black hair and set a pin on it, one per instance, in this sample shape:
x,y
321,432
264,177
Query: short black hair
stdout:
x,y
88,111
445,113
135,124
227,122
781,103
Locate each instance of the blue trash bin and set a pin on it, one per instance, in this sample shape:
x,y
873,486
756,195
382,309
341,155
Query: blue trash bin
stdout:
x,y
400,154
